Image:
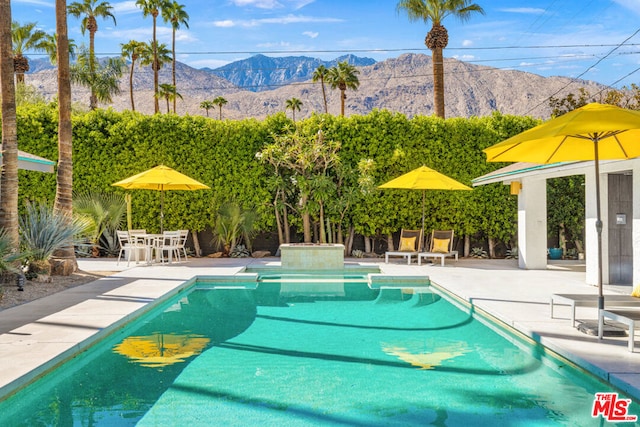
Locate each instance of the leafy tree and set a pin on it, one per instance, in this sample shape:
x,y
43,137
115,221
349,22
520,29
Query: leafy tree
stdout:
x,y
176,15
169,93
435,11
132,50
320,74
220,102
103,80
89,10
343,76
293,104
309,156
207,105
153,8
25,37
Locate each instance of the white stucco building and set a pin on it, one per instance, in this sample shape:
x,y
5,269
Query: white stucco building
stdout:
x,y
620,214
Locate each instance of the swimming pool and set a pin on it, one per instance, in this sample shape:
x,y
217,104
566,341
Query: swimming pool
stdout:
x,y
289,354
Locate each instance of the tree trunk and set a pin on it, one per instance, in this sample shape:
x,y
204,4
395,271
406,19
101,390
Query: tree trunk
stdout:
x,y
278,220
438,82
64,177
492,247
196,243
173,70
367,244
322,231
324,95
93,99
9,179
285,220
350,237
306,219
343,96
133,106
467,245
156,104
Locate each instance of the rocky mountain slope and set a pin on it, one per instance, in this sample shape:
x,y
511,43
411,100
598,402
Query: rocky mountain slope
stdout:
x,y
403,84
260,72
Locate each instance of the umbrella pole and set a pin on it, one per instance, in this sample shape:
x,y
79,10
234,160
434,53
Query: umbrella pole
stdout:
x,y
161,211
598,228
422,237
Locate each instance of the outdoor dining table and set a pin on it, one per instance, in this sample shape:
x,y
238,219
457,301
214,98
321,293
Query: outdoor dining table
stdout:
x,y
149,242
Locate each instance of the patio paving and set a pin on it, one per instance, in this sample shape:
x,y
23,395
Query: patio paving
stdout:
x,y
35,336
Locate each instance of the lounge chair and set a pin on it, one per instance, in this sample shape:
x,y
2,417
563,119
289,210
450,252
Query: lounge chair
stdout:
x,y
591,300
409,245
440,246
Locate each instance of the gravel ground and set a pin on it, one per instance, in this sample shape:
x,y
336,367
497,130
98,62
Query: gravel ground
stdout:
x,y
34,290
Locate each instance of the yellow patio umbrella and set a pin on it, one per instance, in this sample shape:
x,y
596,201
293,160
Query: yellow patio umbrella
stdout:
x,y
424,178
593,132
161,178
159,350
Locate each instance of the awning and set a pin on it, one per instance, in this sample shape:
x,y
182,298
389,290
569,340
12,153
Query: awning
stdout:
x,y
31,162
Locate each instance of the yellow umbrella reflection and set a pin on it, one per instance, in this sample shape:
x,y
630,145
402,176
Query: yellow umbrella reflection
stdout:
x,y
158,350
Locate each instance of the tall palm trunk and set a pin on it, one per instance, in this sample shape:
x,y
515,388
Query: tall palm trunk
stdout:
x,y
173,69
64,178
133,64
92,26
324,95
343,96
438,82
156,104
9,180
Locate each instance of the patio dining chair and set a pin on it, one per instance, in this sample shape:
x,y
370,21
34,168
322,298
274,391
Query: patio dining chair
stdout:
x,y
169,243
129,246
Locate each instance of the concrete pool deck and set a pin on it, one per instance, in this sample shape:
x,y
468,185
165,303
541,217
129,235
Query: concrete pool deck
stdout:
x,y
36,335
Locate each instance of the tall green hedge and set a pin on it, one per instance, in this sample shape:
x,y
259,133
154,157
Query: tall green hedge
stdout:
x,y
110,146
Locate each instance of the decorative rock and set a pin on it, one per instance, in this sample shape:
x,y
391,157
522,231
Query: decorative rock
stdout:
x,y
216,255
260,254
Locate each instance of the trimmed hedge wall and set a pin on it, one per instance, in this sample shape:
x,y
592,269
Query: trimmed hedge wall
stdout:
x,y
110,146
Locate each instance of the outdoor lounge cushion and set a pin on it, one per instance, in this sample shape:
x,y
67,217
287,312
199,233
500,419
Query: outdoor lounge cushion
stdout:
x,y
441,245
407,244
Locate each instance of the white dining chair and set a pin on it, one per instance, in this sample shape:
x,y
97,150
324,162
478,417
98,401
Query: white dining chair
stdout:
x,y
169,243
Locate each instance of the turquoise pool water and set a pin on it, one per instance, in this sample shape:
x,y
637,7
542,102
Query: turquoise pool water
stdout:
x,y
286,354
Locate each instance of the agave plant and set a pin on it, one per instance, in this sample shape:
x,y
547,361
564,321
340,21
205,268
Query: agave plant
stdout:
x,y
44,231
104,212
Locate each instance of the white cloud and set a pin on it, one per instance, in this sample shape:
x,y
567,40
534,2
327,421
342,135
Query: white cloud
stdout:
x,y
525,10
274,45
632,5
283,20
466,58
467,43
227,23
311,34
262,4
125,8
45,3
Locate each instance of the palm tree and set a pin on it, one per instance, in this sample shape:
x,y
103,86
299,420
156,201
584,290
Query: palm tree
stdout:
x,y
176,15
437,39
207,105
64,178
50,46
89,11
293,104
343,76
155,55
219,101
132,50
320,74
25,37
9,182
152,8
169,93
103,80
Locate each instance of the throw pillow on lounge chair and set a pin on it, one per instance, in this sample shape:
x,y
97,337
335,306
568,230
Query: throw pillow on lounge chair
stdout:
x,y
407,244
441,245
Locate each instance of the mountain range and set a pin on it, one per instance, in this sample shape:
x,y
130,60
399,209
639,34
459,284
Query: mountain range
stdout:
x,y
260,86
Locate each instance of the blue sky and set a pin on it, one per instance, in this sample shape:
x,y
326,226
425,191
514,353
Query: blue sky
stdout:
x,y
590,39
